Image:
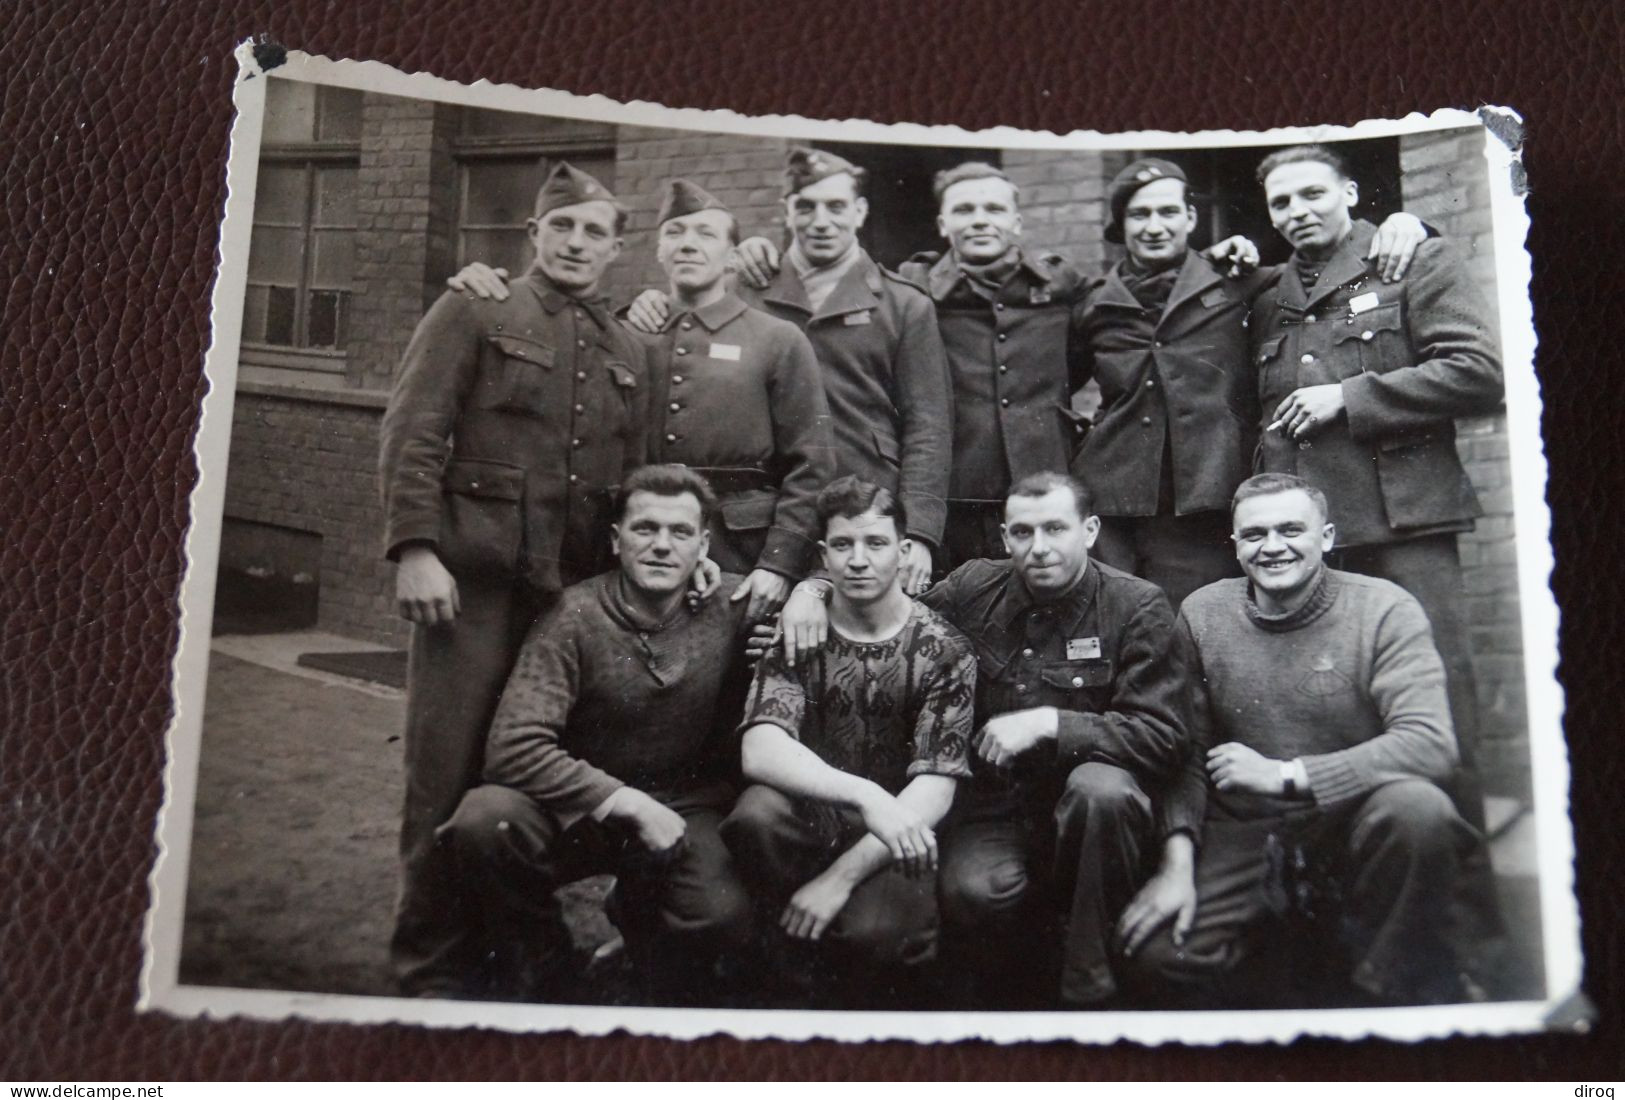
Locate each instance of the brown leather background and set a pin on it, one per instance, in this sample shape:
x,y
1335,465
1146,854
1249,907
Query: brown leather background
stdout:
x,y
115,120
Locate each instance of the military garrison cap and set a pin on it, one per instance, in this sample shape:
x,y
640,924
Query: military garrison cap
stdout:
x,y
804,167
1131,179
683,197
567,185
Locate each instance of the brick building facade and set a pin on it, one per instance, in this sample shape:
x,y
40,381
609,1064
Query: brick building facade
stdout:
x,y
419,188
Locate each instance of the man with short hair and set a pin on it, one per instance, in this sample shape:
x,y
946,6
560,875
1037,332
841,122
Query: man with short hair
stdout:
x,y
1080,716
509,425
612,752
1327,843
856,753
741,401
1164,335
1360,383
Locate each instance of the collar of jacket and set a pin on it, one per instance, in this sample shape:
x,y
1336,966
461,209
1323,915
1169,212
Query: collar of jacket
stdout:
x,y
624,615
858,289
712,316
946,273
1070,606
553,299
1196,275
1347,263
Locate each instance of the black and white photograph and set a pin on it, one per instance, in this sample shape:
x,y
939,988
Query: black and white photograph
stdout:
x,y
673,571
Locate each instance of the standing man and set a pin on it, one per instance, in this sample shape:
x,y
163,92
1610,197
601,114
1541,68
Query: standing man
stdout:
x,y
1327,843
875,335
613,751
1080,715
1164,335
741,402
856,753
1360,383
509,426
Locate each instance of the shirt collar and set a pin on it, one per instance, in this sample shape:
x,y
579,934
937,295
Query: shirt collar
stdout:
x,y
624,615
714,315
1017,599
553,299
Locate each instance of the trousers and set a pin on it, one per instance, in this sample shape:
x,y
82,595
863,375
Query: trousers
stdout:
x,y
1096,843
780,843
1351,898
455,675
1178,554
681,916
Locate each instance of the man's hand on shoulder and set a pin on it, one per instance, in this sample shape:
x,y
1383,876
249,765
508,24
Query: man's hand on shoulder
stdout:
x,y
916,571
649,311
766,591
804,622
1395,245
425,591
1008,737
704,583
758,262
482,281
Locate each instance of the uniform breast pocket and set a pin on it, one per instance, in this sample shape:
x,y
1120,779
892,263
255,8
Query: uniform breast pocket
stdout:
x,y
1375,340
1078,685
515,375
1274,378
619,398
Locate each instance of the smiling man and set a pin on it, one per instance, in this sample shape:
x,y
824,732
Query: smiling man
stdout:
x,y
612,751
1360,382
1323,732
508,428
856,753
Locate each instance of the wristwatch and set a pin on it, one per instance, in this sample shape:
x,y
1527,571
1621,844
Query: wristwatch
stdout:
x,y
821,588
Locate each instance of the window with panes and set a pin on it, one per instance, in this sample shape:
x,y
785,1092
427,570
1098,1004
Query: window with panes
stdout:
x,y
301,261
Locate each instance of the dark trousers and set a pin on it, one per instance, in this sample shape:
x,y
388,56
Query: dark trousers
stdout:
x,y
996,908
889,924
974,529
455,675
1355,897
1178,554
680,916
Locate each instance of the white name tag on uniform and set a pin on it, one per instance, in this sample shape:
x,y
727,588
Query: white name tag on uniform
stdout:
x,y
729,352
1082,649
1360,303
859,318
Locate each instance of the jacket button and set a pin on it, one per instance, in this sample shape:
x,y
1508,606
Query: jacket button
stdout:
x,y
1004,336
1306,358
1077,681
581,376
675,407
499,328
677,380
1027,653
687,325
581,408
682,351
1309,318
581,343
1367,335
1157,344
999,306
573,478
1005,402
671,438
575,442
1004,368
1150,383
1145,420
1021,687
473,485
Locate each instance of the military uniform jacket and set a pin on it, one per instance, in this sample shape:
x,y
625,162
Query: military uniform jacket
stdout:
x,y
1175,380
1012,375
886,380
1410,356
740,398
508,429
1104,655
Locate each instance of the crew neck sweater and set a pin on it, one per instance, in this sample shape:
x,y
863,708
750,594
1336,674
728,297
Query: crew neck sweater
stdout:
x,y
1350,683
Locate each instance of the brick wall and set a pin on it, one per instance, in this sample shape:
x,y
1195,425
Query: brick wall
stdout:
x,y
743,172
1063,202
307,461
1444,182
406,208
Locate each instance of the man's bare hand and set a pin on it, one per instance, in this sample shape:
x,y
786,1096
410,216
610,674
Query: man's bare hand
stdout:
x,y
1306,411
1233,766
813,907
706,580
911,842
649,311
1395,245
915,574
424,591
1170,895
804,623
1009,736
658,827
758,261
1240,253
486,282
766,591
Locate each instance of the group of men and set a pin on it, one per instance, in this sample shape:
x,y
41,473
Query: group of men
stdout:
x,y
1056,712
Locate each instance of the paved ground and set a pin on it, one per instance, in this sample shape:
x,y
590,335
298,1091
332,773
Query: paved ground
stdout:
x,y
293,850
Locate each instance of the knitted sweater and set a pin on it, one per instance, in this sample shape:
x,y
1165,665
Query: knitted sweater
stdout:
x,y
1350,682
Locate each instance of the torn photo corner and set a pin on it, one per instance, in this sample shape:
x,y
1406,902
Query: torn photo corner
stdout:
x,y
1280,381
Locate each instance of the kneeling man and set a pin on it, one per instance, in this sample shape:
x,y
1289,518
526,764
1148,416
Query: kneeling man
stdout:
x,y
1326,839
856,752
612,751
